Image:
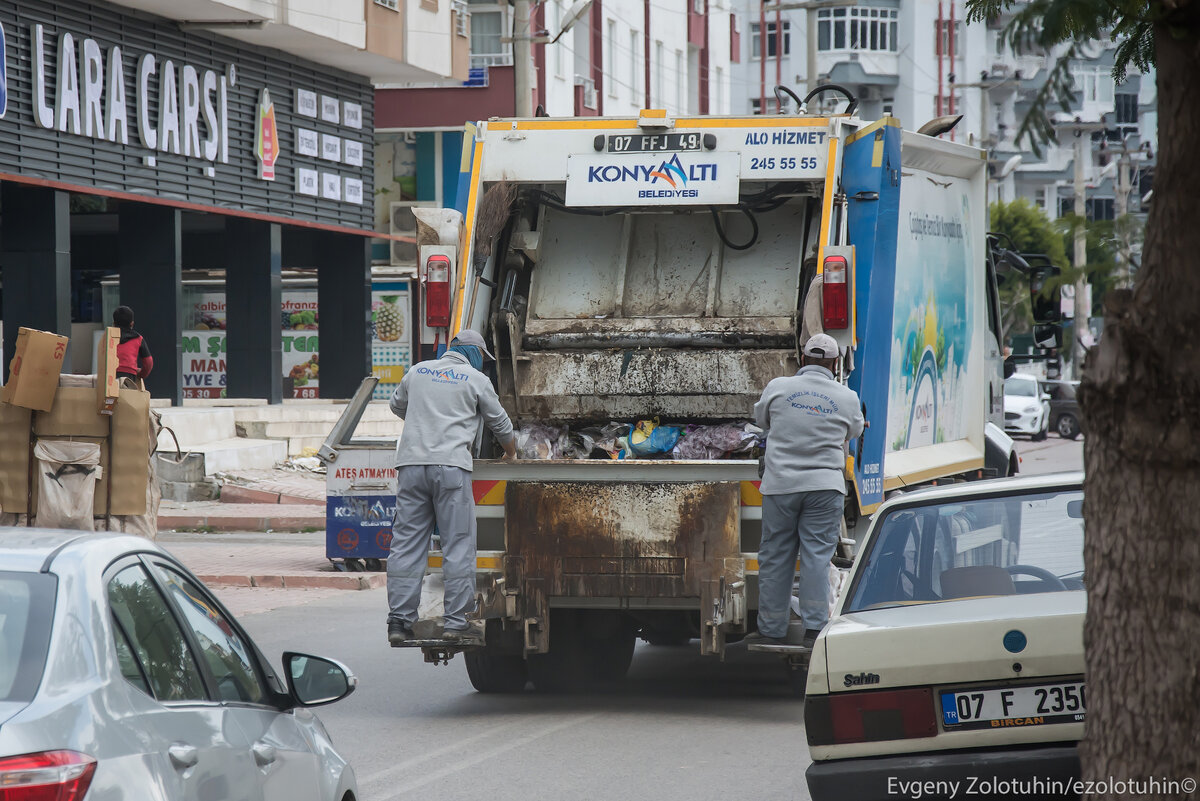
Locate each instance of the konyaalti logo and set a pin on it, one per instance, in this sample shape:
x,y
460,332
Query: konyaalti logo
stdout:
x,y
446,375
669,179
813,403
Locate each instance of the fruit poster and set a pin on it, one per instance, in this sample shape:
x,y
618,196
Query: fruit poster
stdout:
x,y
204,341
391,334
204,345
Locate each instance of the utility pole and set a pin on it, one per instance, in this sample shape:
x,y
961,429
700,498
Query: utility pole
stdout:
x,y
1083,144
522,44
1125,277
811,24
1082,312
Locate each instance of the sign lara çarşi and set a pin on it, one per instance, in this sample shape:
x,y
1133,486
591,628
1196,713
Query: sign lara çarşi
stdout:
x,y
87,95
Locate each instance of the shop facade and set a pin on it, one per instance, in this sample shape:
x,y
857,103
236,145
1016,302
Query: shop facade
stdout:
x,y
224,192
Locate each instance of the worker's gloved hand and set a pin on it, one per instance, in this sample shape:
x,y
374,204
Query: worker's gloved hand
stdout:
x,y
510,450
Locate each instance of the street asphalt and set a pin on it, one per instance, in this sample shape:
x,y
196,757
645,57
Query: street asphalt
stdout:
x,y
682,727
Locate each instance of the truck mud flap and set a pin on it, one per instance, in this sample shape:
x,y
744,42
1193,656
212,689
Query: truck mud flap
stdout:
x,y
625,541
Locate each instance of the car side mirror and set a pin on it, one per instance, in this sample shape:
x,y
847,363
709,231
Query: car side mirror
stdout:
x,y
1047,336
1046,303
315,681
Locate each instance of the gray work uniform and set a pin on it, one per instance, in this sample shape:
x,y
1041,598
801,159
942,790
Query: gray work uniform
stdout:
x,y
443,403
808,417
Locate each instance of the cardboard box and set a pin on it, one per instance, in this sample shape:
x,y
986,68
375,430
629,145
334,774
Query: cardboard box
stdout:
x,y
126,465
34,370
14,458
107,386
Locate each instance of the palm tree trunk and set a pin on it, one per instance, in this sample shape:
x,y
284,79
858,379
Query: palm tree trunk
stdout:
x,y
1141,404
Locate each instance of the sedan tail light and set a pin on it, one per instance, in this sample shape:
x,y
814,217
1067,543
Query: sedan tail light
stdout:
x,y
870,716
46,776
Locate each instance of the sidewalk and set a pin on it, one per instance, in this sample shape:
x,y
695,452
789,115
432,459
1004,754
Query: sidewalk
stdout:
x,y
265,536
253,500
225,561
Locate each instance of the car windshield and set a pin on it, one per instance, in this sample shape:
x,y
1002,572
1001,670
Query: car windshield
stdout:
x,y
1021,386
1005,545
26,603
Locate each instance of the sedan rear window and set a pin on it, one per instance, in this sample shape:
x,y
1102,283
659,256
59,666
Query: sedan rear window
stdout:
x,y
1007,545
26,607
1021,387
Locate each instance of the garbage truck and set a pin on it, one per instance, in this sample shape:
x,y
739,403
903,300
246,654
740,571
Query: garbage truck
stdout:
x,y
657,271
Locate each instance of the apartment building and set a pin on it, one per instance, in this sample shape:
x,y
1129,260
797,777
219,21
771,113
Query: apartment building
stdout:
x,y
918,59
603,57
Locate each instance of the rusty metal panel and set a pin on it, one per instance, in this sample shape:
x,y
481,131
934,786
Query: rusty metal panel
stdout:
x,y
614,540
633,384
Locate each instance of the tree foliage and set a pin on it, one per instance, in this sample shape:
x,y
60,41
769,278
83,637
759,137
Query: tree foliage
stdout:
x,y
1031,231
1066,26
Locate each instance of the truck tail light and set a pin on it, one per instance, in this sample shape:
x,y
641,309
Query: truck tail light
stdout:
x,y
437,292
46,776
835,294
862,717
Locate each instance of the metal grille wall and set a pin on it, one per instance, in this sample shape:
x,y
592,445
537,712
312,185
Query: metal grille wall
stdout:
x,y
27,149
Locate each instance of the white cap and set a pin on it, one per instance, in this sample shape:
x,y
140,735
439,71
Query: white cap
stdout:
x,y
821,346
469,337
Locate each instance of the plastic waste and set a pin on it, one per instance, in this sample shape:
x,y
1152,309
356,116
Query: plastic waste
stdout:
x,y
539,441
716,442
649,437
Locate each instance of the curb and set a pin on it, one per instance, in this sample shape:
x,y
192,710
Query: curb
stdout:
x,y
232,523
233,493
331,580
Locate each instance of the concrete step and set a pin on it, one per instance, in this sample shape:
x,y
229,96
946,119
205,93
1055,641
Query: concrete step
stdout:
x,y
288,429
309,412
196,426
238,453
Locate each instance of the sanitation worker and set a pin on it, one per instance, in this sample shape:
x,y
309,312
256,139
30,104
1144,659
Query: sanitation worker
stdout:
x,y
133,354
809,418
443,403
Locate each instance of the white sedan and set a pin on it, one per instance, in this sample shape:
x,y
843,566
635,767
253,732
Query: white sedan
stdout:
x,y
123,679
1026,407
956,650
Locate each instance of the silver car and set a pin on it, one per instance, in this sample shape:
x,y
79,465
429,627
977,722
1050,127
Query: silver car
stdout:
x,y
122,677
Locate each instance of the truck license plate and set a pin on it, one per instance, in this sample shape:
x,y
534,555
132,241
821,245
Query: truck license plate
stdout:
x,y
643,143
1014,706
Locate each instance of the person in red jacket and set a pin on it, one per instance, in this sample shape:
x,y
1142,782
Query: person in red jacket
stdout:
x,y
133,354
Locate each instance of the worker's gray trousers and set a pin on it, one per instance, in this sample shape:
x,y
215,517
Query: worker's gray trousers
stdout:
x,y
428,494
807,524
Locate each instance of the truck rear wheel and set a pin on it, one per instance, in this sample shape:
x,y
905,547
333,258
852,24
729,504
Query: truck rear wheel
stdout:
x,y
610,657
493,672
498,667
564,668
667,637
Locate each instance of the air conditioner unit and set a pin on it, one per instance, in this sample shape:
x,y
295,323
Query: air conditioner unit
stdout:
x,y
402,223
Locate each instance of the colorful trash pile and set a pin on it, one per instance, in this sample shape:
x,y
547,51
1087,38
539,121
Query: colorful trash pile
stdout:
x,y
645,439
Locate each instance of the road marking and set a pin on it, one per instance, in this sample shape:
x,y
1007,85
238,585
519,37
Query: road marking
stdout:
x,y
483,756
457,745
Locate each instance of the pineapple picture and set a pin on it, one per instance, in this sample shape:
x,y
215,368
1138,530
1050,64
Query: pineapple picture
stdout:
x,y
388,319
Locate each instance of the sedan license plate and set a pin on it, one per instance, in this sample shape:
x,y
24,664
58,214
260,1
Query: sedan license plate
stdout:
x,y
643,143
1036,705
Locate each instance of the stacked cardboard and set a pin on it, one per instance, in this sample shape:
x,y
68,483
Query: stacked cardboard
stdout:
x,y
34,370
40,406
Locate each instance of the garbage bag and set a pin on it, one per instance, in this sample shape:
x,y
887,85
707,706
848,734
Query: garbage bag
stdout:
x,y
67,475
717,441
649,437
539,441
431,612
